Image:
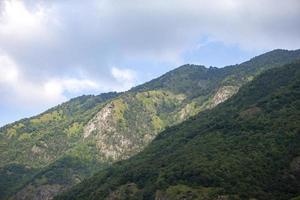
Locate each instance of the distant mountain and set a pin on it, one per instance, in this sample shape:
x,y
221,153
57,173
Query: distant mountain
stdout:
x,y
46,154
246,148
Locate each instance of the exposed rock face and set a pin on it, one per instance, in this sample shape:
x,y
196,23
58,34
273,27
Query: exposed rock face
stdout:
x,y
101,121
222,95
104,128
126,125
118,136
112,144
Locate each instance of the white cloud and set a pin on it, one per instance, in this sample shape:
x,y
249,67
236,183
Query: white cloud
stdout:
x,y
123,75
19,90
126,77
18,24
8,70
52,34
16,89
77,85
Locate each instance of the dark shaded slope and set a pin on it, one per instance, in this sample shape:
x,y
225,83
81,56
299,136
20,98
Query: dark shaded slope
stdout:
x,y
246,147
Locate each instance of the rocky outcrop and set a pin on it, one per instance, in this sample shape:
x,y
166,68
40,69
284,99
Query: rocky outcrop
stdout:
x,y
124,126
223,93
102,121
104,128
118,136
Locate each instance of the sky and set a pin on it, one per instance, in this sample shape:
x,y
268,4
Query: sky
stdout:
x,y
53,50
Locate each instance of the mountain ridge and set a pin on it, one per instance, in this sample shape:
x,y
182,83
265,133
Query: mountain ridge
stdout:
x,y
270,53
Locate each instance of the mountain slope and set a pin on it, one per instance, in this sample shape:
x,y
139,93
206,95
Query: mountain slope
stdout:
x,y
30,144
61,147
247,147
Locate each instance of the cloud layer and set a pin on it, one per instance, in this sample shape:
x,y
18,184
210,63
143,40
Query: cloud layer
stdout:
x,y
52,50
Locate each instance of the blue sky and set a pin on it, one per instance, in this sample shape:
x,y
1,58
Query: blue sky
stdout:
x,y
51,51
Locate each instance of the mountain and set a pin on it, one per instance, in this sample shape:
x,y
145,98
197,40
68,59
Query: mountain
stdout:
x,y
245,148
46,154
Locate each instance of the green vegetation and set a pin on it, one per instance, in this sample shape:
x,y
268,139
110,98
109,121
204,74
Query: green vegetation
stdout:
x,y
247,147
74,129
179,192
13,177
48,132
